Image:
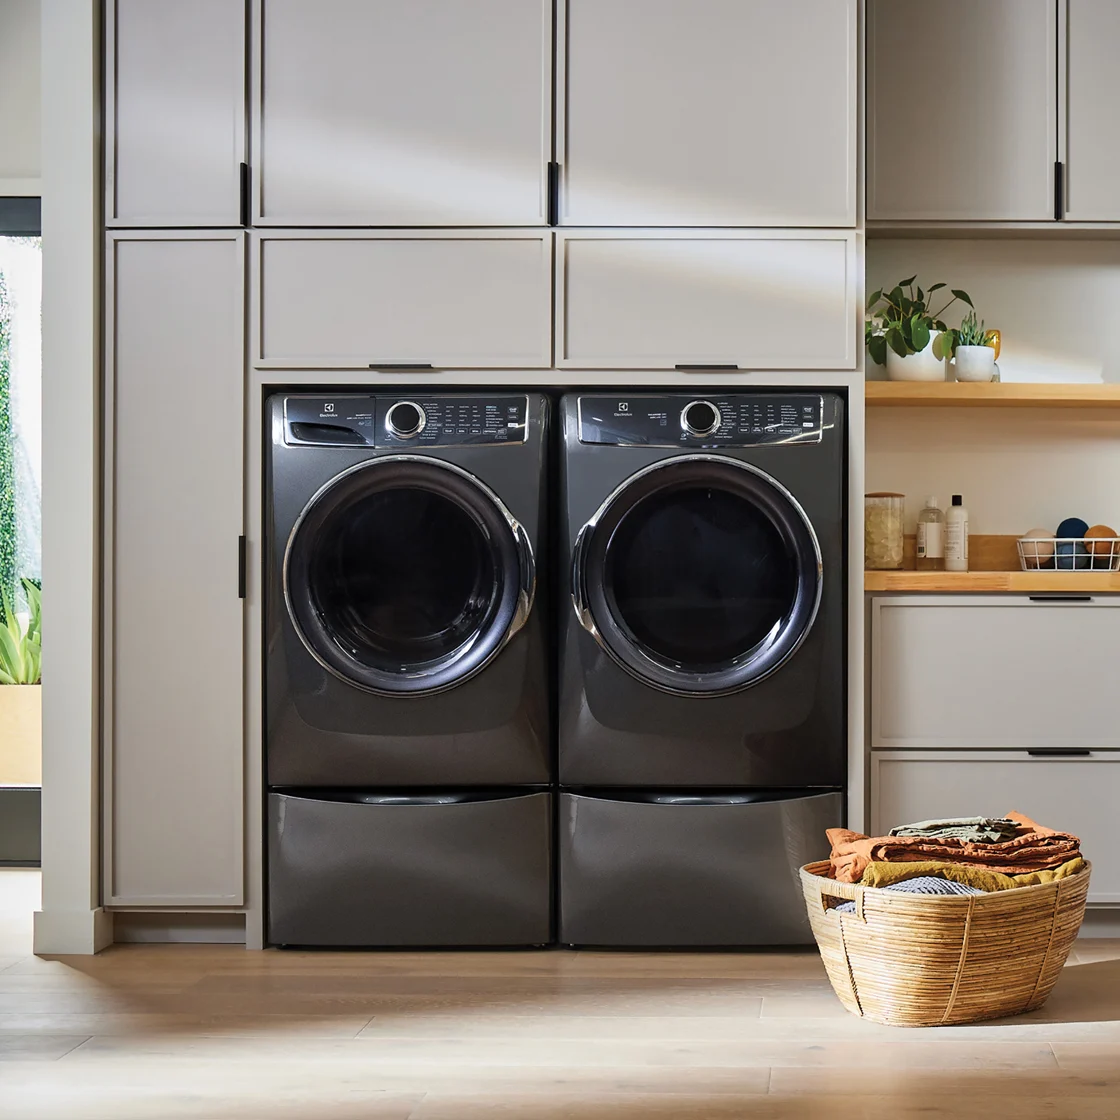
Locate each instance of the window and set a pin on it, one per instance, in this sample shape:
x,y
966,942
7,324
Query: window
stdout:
x,y
21,270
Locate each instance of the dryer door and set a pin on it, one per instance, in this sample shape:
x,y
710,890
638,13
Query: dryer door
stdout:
x,y
700,575
406,575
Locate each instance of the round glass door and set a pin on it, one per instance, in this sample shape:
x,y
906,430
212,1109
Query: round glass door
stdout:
x,y
406,575
700,575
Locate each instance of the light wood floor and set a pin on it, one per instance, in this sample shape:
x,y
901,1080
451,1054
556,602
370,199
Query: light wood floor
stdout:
x,y
217,1032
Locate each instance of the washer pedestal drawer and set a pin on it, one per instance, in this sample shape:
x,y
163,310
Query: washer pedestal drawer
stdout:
x,y
688,870
376,870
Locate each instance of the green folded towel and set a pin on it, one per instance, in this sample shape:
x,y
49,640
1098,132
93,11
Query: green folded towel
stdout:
x,y
972,830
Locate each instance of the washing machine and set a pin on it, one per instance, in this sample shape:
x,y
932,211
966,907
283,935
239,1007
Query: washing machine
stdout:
x,y
702,715
407,727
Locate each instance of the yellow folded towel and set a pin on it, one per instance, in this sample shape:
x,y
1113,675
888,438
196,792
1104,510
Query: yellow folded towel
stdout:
x,y
881,874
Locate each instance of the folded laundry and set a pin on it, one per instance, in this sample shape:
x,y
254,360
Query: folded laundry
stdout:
x,y
888,874
1033,848
988,830
923,884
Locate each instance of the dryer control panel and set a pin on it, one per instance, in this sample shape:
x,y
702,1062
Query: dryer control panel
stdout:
x,y
405,420
712,420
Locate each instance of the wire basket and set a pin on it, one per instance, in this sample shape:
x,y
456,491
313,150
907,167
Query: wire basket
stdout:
x,y
1067,554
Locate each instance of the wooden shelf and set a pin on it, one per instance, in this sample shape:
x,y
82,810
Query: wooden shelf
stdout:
x,y
956,394
1069,583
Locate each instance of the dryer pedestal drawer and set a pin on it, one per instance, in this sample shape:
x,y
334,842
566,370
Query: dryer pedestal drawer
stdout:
x,y
1075,791
687,870
384,870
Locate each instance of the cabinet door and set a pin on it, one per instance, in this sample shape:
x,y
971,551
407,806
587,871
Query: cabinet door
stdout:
x,y
175,112
461,300
650,299
954,671
402,112
1092,122
962,109
174,740
708,113
1077,795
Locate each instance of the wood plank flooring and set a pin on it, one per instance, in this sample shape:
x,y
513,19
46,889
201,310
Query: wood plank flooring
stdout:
x,y
215,1032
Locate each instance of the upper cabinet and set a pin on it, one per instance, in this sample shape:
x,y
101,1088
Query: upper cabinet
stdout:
x,y
175,112
707,112
962,109
402,112
1092,122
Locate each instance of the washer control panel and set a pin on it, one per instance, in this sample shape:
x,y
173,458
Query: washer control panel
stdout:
x,y
714,420
405,420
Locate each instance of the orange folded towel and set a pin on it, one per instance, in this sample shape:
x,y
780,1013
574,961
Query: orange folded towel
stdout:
x,y
1034,848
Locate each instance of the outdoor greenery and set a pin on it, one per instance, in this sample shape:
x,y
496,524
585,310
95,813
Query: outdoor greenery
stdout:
x,y
7,456
21,647
902,320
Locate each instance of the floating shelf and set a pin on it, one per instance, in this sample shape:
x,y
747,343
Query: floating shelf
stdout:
x,y
1065,583
957,394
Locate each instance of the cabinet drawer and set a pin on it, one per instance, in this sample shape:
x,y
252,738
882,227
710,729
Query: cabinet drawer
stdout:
x,y
994,672
653,299
1077,795
351,301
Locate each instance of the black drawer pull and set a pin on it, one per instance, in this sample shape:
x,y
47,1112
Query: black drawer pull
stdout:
x,y
1061,598
1060,752
703,367
401,367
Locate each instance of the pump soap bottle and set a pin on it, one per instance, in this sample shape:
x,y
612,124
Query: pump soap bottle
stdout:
x,y
956,537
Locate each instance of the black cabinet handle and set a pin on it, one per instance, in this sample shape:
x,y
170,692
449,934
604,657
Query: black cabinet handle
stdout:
x,y
703,367
1059,752
1061,598
242,567
245,182
1059,184
553,194
401,367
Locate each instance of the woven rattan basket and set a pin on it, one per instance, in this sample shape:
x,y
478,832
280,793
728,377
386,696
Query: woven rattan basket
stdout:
x,y
922,961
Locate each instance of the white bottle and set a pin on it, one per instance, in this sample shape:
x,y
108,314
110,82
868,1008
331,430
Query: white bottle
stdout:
x,y
931,537
956,537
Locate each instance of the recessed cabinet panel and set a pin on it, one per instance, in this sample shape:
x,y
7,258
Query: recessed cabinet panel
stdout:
x,y
175,112
1077,795
352,301
708,113
402,112
1092,122
959,672
962,109
174,720
649,299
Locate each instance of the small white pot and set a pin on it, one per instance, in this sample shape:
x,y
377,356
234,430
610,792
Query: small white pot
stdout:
x,y
922,366
975,363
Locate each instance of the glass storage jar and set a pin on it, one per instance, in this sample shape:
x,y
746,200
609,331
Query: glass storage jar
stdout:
x,y
882,530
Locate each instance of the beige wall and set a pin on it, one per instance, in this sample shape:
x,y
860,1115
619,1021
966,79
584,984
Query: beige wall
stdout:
x,y
19,96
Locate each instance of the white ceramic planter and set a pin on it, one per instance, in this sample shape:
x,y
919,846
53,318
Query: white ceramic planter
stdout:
x,y
922,366
975,363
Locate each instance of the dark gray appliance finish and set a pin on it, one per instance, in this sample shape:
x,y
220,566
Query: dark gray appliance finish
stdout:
x,y
704,643
402,647
684,870
469,869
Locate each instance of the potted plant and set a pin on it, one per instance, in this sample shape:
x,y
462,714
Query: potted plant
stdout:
x,y
974,351
21,711
904,335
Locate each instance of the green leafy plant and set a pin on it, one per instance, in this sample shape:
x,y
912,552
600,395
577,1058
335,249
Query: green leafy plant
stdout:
x,y
902,320
21,647
971,333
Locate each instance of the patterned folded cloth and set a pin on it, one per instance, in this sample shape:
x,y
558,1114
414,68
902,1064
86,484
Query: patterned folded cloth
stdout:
x,y
887,874
977,830
923,884
1034,848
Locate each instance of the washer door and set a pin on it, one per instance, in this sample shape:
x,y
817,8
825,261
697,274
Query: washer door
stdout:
x,y
700,575
407,575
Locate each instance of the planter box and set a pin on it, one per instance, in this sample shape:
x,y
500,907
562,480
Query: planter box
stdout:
x,y
21,735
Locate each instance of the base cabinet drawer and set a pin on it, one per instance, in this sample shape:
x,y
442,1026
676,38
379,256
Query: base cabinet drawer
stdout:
x,y
1077,794
995,671
677,870
383,870
480,299
657,299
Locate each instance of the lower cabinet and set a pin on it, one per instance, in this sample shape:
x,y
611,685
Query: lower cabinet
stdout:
x,y
688,870
173,715
1075,793
354,869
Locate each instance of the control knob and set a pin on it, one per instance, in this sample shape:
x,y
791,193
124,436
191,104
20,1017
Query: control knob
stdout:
x,y
405,420
700,418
